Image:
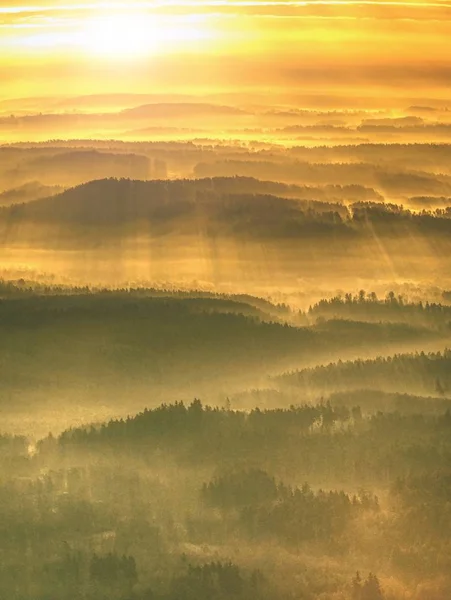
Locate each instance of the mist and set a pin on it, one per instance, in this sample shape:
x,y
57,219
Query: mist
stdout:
x,y
225,301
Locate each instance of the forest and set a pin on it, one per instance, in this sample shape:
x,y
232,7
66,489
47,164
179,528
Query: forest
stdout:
x,y
189,501
102,350
182,444
225,322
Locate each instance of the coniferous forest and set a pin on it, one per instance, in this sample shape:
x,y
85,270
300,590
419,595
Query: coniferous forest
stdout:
x,y
172,444
225,300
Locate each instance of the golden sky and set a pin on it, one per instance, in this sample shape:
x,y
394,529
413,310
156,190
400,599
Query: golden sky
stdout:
x,y
52,48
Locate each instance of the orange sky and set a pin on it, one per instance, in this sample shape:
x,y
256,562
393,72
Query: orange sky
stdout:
x,y
376,48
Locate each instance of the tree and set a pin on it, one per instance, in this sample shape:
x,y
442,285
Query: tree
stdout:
x,y
371,589
391,298
439,387
356,593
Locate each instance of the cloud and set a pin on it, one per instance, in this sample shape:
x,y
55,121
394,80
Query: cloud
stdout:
x,y
335,48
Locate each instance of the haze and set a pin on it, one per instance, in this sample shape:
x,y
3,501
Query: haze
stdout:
x,y
225,300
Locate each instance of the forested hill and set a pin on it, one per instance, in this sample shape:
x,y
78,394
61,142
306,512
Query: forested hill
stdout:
x,y
321,441
419,373
107,350
166,338
368,307
144,503
110,207
183,204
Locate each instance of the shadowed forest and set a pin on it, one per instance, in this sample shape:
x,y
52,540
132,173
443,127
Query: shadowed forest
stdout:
x,y
225,332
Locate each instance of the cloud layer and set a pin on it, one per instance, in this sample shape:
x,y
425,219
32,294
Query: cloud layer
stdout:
x,y
340,46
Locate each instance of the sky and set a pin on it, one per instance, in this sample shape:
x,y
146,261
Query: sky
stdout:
x,y
357,48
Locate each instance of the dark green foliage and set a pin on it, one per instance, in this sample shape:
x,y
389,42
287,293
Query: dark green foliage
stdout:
x,y
104,512
111,209
398,373
237,489
291,515
423,521
369,589
319,441
213,581
392,308
127,341
112,570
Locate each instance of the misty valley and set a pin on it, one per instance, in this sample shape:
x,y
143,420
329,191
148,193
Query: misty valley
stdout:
x,y
190,444
225,332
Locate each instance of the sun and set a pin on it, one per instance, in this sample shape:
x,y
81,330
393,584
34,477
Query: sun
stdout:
x,y
123,36
120,35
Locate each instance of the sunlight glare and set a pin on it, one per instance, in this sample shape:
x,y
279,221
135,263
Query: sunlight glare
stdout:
x,y
135,35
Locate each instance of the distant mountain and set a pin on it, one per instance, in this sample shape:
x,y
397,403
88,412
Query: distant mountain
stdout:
x,y
115,101
28,192
184,110
73,167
